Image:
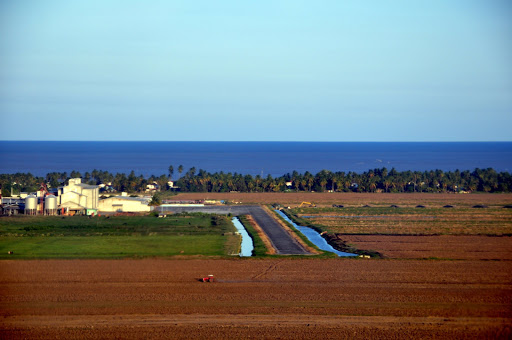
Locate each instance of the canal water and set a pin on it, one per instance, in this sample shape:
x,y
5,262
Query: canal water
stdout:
x,y
315,237
247,245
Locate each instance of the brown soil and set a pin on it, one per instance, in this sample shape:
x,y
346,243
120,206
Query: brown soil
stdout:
x,y
357,199
411,221
468,247
261,298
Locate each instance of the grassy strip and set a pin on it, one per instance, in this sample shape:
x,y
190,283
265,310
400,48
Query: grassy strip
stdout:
x,y
322,253
259,246
332,239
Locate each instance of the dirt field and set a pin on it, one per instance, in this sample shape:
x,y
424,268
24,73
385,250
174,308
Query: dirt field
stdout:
x,y
468,247
357,199
261,298
286,298
411,221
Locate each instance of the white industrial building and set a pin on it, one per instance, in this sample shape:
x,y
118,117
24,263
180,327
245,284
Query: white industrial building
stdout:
x,y
74,198
78,197
124,204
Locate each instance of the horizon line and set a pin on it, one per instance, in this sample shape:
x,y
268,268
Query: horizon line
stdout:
x,y
255,141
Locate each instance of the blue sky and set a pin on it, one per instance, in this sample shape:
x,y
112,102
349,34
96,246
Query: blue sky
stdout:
x,y
256,71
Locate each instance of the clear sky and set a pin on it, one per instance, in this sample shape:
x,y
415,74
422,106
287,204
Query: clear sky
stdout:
x,y
256,70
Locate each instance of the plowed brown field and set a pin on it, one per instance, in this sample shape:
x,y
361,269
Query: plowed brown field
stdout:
x,y
466,247
356,199
260,298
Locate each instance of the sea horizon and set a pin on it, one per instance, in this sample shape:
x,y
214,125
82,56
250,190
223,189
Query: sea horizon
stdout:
x,y
249,157
242,141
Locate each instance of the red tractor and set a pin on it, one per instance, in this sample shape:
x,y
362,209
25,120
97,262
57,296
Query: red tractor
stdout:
x,y
209,278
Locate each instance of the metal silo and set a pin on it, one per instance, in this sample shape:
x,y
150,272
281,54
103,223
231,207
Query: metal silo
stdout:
x,y
50,205
31,205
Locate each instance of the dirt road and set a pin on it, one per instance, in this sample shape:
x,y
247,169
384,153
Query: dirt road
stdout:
x,y
261,298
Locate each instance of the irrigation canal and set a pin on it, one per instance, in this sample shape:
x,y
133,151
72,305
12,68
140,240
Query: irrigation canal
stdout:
x,y
315,237
247,246
283,242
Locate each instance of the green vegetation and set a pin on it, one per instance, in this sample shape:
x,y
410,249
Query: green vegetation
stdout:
x,y
259,247
155,200
374,180
116,237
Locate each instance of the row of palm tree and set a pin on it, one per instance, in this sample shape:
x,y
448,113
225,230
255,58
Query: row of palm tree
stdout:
x,y
375,180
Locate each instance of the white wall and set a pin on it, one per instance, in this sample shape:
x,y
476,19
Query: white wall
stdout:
x,y
113,204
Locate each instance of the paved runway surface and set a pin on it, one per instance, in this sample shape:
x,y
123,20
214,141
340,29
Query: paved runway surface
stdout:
x,y
281,240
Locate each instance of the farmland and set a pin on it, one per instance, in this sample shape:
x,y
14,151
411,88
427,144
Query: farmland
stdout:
x,y
445,273
462,247
475,226
292,298
356,199
449,227
409,221
116,236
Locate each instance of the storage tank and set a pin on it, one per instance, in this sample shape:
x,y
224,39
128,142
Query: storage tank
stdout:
x,y
50,205
31,205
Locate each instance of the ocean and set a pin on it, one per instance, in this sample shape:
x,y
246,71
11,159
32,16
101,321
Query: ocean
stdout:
x,y
263,158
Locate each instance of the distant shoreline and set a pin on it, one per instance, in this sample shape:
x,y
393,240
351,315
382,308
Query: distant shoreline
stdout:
x,y
254,158
377,180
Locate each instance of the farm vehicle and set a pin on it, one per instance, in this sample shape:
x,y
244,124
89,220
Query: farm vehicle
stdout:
x,y
209,278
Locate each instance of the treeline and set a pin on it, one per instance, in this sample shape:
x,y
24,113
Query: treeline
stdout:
x,y
376,180
26,182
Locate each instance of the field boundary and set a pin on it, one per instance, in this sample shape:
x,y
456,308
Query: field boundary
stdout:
x,y
333,239
294,233
271,250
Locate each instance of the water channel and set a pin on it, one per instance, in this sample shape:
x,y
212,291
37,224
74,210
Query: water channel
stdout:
x,y
247,245
315,237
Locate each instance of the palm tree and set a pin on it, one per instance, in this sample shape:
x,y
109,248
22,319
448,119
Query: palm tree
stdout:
x,y
323,183
257,182
303,183
296,183
387,183
191,172
94,174
372,186
180,169
171,171
311,180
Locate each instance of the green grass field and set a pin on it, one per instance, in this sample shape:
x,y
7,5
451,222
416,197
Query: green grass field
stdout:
x,y
116,237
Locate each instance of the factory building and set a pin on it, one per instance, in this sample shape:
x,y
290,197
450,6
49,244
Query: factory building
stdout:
x,y
12,205
77,197
29,204
124,204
